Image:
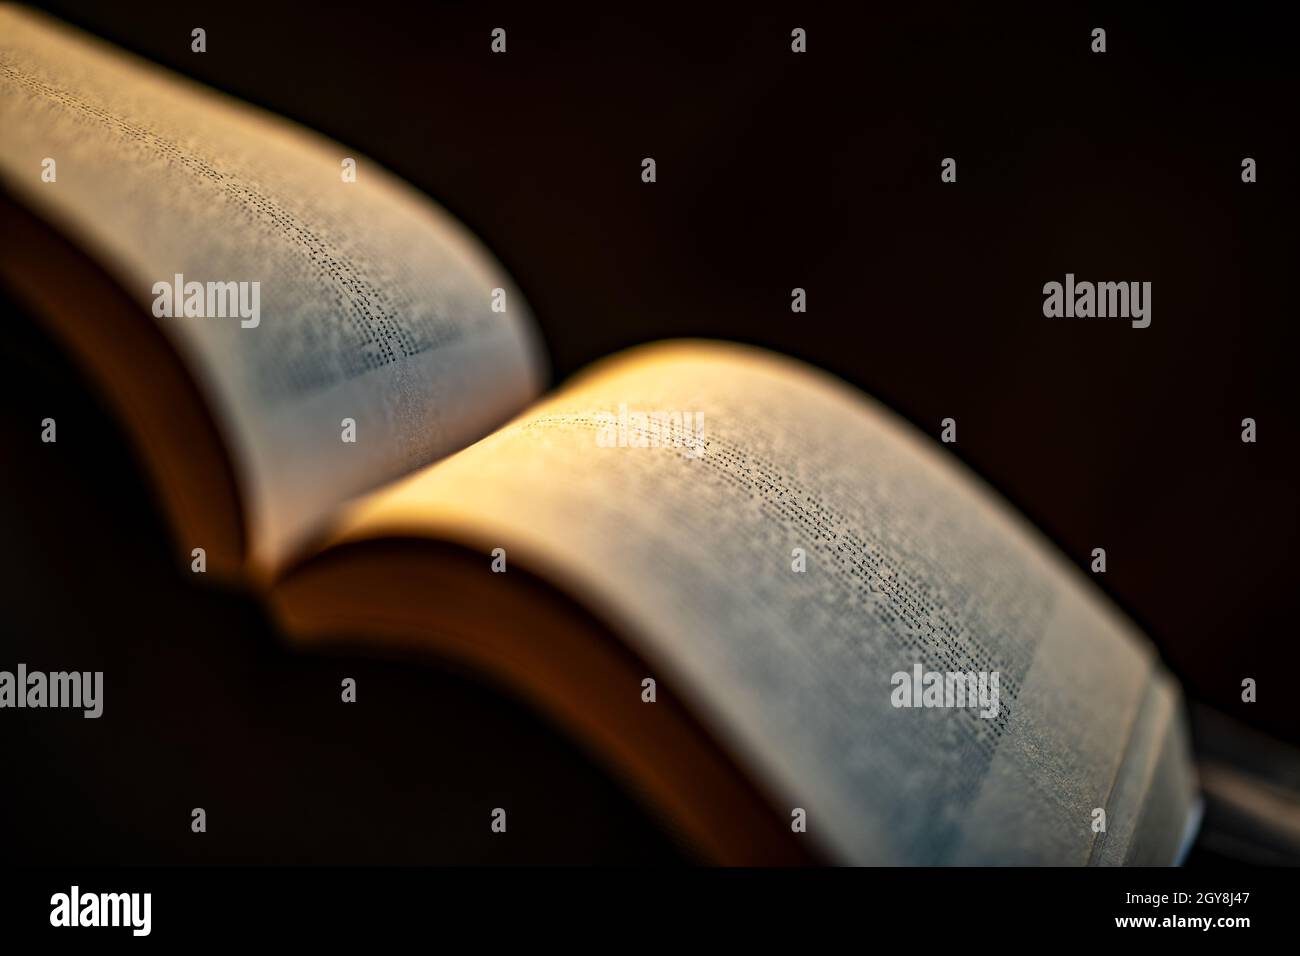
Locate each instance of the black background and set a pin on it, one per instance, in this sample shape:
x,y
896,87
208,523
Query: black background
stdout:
x,y
775,170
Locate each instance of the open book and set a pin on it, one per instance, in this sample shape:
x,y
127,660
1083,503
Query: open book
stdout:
x,y
722,569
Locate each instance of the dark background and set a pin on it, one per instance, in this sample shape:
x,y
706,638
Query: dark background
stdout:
x,y
774,170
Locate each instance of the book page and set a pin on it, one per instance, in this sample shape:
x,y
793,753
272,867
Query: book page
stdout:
x,y
321,299
780,550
